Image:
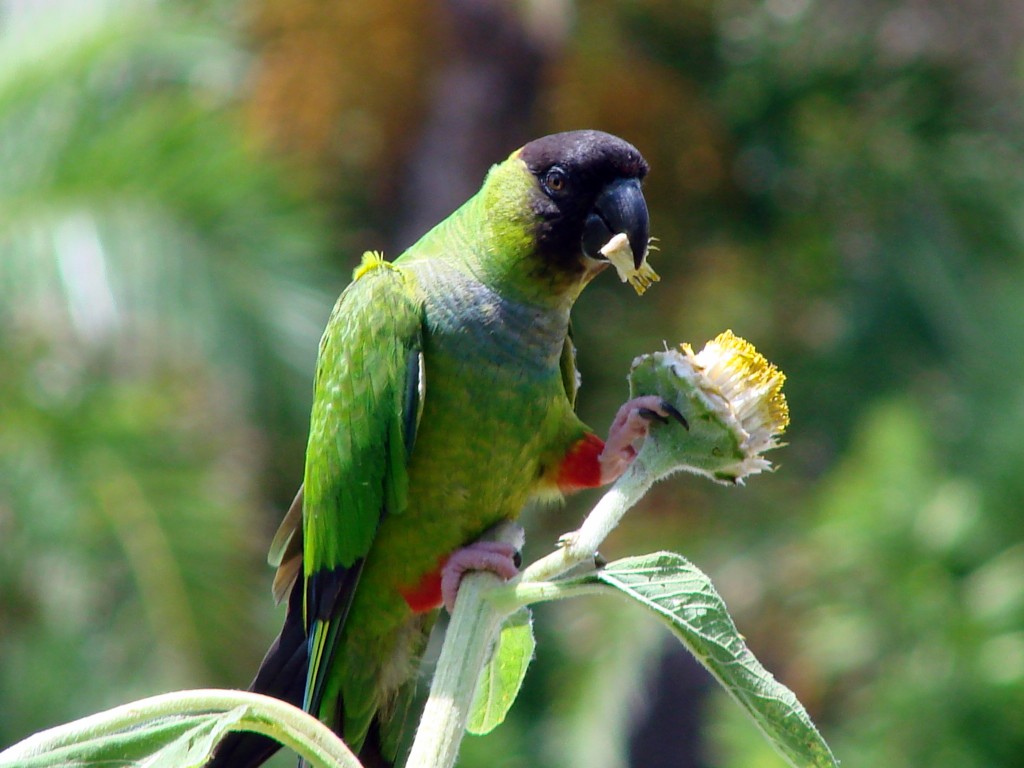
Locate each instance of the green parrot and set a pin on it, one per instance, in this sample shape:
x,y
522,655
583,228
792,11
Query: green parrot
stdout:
x,y
443,403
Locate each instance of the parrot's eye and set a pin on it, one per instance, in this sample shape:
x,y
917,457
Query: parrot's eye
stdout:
x,y
556,181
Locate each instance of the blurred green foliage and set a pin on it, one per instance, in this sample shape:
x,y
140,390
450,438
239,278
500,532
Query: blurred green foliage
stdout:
x,y
159,311
184,187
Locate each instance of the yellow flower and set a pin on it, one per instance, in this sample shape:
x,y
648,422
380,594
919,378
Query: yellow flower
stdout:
x,y
749,385
729,394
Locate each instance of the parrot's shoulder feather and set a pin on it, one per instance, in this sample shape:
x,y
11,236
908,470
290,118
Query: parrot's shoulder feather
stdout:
x,y
371,260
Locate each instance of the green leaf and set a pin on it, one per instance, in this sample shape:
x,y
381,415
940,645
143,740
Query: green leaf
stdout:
x,y
683,597
167,742
503,675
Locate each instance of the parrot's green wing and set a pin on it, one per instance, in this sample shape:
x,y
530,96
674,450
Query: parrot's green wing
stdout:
x,y
368,396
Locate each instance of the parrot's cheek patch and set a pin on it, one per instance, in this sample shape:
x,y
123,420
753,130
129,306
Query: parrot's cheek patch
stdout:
x,y
426,595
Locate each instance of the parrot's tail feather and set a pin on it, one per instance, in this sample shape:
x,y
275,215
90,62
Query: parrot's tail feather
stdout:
x,y
282,675
372,755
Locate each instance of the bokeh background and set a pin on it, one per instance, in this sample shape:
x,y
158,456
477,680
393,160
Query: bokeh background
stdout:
x,y
185,187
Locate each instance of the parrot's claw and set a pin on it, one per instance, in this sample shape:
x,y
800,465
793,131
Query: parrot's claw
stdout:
x,y
632,423
672,411
650,415
499,557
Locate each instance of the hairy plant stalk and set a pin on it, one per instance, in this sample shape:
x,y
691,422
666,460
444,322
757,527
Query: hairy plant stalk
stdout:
x,y
473,628
581,545
313,741
484,603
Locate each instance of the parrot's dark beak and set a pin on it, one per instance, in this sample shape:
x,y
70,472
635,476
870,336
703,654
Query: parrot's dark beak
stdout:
x,y
619,208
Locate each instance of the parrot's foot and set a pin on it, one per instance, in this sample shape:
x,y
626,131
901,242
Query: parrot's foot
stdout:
x,y
498,557
632,423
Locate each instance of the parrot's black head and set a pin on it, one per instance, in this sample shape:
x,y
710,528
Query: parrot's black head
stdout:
x,y
588,189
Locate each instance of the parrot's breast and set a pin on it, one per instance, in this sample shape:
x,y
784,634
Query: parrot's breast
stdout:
x,y
493,405
474,323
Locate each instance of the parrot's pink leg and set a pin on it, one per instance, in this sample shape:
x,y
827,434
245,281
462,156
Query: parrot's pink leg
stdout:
x,y
498,557
630,424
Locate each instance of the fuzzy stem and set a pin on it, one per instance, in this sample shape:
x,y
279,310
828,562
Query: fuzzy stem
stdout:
x,y
582,544
484,603
472,629
313,741
511,597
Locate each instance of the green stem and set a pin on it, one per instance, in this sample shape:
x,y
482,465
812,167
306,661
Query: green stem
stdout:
x,y
511,597
484,603
313,741
581,545
472,629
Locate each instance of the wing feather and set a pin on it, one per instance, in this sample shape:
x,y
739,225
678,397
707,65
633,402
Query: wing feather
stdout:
x,y
367,399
